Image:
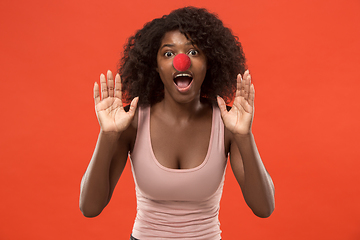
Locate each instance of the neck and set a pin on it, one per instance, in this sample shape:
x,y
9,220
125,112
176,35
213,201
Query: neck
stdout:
x,y
181,111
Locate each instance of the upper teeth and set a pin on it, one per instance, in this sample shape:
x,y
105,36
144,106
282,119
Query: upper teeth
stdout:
x,y
183,75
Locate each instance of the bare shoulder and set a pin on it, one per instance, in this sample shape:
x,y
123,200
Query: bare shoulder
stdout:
x,y
129,135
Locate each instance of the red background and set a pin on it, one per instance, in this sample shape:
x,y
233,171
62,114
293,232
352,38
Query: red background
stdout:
x,y
304,57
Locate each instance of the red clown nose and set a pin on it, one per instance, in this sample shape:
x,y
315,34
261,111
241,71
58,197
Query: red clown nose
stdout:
x,y
181,62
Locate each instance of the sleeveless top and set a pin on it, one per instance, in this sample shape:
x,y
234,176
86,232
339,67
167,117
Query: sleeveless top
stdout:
x,y
177,203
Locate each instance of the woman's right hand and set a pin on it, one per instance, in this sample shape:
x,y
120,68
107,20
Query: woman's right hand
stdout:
x,y
109,108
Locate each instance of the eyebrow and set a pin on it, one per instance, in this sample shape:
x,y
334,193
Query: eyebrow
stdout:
x,y
172,44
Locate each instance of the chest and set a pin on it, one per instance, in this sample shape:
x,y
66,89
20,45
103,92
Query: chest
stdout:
x,y
180,145
174,168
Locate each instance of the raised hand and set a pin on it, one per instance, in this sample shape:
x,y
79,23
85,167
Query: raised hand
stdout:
x,y
109,108
239,119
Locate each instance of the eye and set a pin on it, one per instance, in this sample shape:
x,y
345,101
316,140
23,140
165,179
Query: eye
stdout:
x,y
193,52
168,54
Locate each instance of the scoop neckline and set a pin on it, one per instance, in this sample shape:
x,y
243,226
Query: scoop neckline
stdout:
x,y
183,169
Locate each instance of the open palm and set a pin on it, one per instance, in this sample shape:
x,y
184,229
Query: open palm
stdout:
x,y
109,108
239,119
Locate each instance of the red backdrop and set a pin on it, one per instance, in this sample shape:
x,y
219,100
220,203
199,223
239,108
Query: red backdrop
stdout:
x,y
304,57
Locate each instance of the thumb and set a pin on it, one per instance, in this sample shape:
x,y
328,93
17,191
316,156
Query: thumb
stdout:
x,y
222,105
133,105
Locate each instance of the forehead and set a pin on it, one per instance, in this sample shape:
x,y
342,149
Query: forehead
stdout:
x,y
175,37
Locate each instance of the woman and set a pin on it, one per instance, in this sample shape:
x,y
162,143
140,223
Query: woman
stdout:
x,y
177,131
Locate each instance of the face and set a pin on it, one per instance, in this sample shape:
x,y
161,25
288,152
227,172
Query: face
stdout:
x,y
184,86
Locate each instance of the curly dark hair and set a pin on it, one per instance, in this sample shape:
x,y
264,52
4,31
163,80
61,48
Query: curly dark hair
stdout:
x,y
223,51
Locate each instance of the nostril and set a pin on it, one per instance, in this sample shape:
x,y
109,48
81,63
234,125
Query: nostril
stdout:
x,y
181,62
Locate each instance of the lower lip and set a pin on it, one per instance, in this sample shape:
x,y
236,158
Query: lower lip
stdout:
x,y
185,89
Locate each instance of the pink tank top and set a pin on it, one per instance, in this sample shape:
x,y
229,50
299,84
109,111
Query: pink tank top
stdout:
x,y
177,203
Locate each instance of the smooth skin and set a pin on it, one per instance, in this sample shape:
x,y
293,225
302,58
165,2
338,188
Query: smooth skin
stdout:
x,y
180,121
255,182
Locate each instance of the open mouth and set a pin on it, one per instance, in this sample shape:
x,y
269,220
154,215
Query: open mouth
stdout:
x,y
183,81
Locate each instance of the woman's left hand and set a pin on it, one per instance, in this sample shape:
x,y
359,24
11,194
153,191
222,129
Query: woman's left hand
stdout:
x,y
239,119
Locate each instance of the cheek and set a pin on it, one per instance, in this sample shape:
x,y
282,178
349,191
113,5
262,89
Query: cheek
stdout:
x,y
200,64
203,69
162,72
164,67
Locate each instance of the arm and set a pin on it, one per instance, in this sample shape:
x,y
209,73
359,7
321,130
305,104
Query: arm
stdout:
x,y
110,155
249,170
255,182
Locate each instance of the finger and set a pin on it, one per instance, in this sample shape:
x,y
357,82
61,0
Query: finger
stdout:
x,y
222,105
252,95
238,85
133,106
110,83
118,93
96,93
246,84
103,87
